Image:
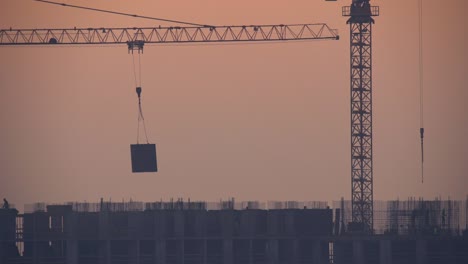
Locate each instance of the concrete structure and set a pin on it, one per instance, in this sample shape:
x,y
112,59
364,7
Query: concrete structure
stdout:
x,y
8,234
61,235
188,233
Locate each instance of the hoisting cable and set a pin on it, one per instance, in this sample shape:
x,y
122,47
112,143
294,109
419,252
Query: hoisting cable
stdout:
x,y
421,88
122,14
138,91
139,66
134,71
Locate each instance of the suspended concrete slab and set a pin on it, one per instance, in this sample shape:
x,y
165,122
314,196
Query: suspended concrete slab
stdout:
x,y
143,158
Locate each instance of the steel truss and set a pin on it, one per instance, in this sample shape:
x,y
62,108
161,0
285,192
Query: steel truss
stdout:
x,y
361,114
167,34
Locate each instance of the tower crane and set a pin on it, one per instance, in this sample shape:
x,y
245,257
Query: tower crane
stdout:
x,y
360,21
360,14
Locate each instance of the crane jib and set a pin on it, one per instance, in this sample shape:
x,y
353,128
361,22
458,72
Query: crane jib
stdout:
x,y
157,35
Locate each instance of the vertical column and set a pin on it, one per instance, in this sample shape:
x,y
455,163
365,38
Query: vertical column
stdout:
x,y
104,234
179,234
134,251
273,251
105,252
273,231
358,252
71,242
179,223
2,254
160,251
295,251
181,250
35,251
421,251
204,249
385,251
228,251
361,124
72,251
251,252
160,236
360,21
108,252
228,224
317,252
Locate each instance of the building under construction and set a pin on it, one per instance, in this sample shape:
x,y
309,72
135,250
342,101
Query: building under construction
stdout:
x,y
349,232
176,232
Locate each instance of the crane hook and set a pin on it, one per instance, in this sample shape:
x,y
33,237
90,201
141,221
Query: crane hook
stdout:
x,y
421,131
138,91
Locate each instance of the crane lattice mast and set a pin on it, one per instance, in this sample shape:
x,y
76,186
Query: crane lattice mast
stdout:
x,y
360,22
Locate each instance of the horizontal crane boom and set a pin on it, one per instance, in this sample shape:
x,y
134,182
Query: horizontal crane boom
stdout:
x,y
158,35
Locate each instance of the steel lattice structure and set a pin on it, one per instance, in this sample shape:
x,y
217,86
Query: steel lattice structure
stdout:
x,y
360,22
155,35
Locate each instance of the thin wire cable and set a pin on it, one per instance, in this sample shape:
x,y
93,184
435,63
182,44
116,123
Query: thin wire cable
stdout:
x,y
139,102
140,109
421,72
121,13
421,86
138,123
134,70
139,66
142,120
144,125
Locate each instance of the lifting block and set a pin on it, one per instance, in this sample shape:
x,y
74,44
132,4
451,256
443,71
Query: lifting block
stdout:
x,y
143,158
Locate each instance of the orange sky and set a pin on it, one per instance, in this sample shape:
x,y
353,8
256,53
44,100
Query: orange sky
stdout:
x,y
256,122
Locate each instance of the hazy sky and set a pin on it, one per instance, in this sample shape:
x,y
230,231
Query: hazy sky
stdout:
x,y
255,122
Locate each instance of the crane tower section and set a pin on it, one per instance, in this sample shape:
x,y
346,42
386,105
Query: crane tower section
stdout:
x,y
360,21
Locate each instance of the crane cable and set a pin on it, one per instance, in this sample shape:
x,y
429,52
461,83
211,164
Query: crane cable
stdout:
x,y
421,88
121,13
138,91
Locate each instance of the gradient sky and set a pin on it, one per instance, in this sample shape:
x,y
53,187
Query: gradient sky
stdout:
x,y
255,122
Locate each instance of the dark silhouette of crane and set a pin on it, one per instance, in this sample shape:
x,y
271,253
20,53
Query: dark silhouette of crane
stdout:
x,y
136,37
360,14
360,22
